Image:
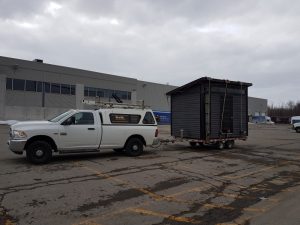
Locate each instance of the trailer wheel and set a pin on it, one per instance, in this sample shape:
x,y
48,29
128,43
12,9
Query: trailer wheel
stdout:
x,y
193,144
134,147
298,129
220,145
229,144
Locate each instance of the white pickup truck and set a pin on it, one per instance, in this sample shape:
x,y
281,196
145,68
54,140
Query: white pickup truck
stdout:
x,y
296,126
78,131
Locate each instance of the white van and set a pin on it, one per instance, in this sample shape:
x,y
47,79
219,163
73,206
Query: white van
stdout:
x,y
295,119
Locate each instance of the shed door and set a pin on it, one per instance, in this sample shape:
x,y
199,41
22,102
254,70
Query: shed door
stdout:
x,y
227,114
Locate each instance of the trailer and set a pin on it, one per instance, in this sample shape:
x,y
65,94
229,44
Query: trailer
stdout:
x,y
210,111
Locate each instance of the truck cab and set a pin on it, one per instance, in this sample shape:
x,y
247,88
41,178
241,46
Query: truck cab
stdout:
x,y
78,131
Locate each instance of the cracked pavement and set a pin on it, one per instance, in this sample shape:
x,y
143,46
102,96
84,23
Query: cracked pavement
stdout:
x,y
257,182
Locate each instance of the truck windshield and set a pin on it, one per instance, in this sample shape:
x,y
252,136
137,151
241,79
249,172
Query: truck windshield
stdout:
x,y
59,117
295,121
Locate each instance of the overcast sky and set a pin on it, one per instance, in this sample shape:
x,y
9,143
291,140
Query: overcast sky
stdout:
x,y
164,41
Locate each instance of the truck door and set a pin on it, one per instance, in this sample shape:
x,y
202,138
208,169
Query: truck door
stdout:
x,y
81,131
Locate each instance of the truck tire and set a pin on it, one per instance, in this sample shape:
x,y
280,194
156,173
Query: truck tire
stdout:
x,y
39,152
119,150
229,144
298,129
134,147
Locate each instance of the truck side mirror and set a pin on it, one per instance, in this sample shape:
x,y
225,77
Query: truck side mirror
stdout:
x,y
69,121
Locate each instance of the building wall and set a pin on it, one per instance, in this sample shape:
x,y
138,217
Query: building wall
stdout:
x,y
23,105
154,95
2,94
257,106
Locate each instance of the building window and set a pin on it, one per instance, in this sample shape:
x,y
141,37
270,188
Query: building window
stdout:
x,y
124,118
47,87
100,93
86,91
92,92
30,85
73,90
108,93
8,83
55,88
65,89
122,94
39,86
18,84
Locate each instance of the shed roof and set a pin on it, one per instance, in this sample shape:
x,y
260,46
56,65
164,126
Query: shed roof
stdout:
x,y
204,80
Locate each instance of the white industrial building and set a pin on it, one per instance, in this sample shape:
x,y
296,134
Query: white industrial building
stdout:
x,y
36,90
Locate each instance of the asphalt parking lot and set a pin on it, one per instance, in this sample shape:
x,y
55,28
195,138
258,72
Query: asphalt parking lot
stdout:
x,y
257,182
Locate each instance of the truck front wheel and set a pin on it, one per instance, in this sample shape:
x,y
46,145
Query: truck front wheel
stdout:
x,y
39,152
298,129
134,147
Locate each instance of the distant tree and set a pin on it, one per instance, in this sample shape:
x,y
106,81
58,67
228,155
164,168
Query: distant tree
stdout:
x,y
284,110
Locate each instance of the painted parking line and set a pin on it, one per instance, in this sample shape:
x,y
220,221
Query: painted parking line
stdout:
x,y
158,197
165,215
121,181
106,215
9,222
248,174
233,208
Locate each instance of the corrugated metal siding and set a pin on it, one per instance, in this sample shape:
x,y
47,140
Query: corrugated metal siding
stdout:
x,y
186,113
215,115
239,110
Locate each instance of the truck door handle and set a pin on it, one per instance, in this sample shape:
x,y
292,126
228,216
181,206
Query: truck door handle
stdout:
x,y
91,128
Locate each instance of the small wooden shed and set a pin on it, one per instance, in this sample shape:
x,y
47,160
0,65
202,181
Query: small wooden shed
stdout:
x,y
207,109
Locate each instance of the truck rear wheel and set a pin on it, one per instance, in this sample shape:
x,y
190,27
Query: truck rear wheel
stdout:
x,y
134,147
39,152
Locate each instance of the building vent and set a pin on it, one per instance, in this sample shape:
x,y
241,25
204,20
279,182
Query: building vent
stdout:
x,y
38,60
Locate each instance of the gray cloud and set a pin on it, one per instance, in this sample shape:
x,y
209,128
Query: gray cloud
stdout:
x,y
170,41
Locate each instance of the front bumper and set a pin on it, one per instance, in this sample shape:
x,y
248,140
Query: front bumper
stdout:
x,y
16,146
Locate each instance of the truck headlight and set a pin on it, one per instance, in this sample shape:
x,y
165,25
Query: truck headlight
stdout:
x,y
19,134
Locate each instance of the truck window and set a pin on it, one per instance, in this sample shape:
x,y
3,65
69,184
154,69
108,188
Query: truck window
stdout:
x,y
148,119
124,118
84,118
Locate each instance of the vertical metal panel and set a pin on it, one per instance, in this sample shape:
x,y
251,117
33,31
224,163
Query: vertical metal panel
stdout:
x,y
186,113
215,117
